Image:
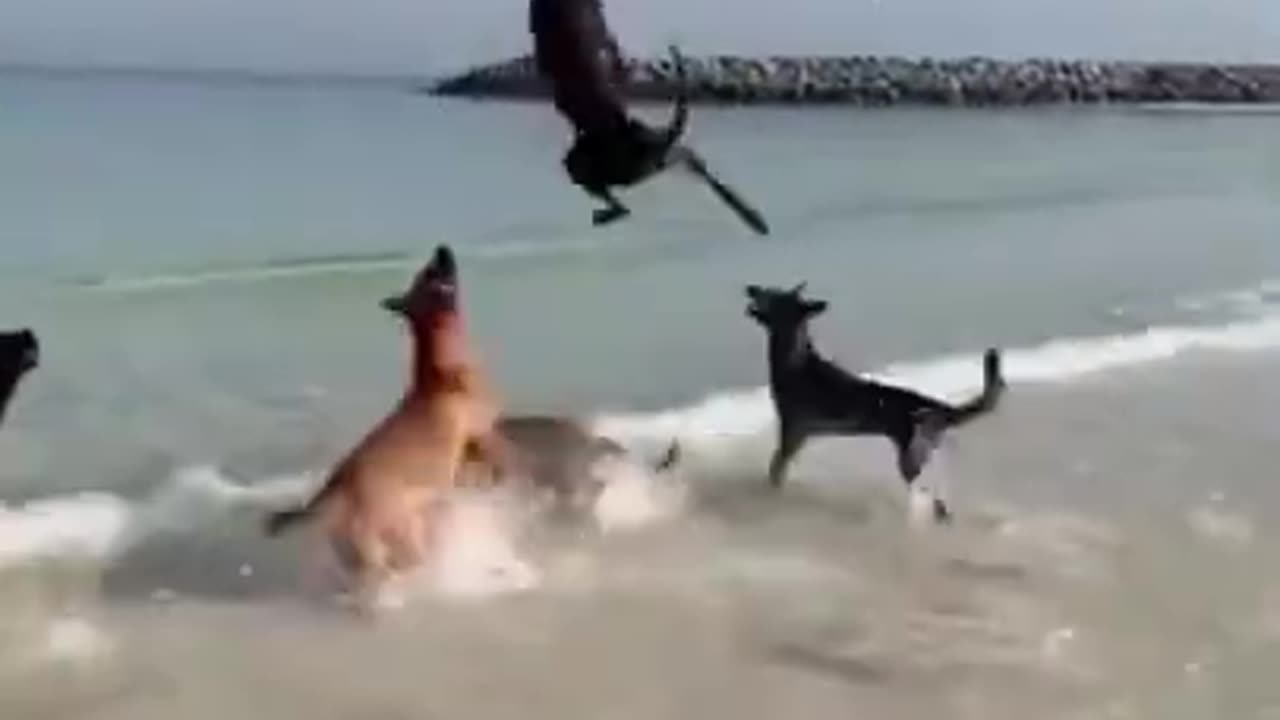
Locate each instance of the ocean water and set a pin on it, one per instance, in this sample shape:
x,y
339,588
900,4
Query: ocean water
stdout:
x,y
203,261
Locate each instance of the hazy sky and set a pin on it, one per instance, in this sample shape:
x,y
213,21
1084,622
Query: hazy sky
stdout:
x,y
375,36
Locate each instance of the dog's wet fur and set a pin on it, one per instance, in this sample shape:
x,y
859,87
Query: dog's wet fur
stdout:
x,y
576,52
378,503
814,397
558,455
19,355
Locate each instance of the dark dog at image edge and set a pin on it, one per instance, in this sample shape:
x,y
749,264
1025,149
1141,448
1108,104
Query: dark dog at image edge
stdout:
x,y
19,355
814,397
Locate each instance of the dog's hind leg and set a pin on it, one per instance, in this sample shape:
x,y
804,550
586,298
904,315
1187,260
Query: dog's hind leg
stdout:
x,y
372,571
407,542
584,162
914,446
369,529
613,210
790,441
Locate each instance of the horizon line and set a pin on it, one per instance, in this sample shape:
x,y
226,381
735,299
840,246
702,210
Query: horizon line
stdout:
x,y
322,76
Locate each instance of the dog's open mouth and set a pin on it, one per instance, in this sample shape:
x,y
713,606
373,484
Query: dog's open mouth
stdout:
x,y
435,288
442,277
443,268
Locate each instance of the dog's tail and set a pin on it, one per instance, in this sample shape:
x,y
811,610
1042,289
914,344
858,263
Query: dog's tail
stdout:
x,y
680,111
278,522
674,152
668,461
282,520
670,458
993,387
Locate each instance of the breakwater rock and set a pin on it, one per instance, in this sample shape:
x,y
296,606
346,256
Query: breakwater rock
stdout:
x,y
886,81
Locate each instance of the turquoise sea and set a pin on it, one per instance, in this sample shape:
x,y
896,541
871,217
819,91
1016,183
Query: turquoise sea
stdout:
x,y
203,257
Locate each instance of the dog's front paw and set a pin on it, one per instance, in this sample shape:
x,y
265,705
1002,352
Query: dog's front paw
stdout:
x,y
605,216
941,513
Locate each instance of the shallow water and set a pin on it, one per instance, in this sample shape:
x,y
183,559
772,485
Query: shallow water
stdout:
x,y
203,264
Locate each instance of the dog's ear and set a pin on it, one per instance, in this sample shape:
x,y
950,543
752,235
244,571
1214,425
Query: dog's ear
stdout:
x,y
798,290
815,307
396,304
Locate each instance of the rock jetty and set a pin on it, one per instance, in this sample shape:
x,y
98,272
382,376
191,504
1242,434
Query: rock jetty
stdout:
x,y
888,81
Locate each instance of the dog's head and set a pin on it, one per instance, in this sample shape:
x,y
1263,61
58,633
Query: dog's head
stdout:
x,y
434,292
19,353
779,308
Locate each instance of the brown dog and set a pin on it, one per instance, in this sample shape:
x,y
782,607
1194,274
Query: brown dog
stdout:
x,y
377,502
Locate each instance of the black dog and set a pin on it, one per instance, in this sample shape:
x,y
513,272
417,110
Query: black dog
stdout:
x,y
578,55
814,396
19,354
